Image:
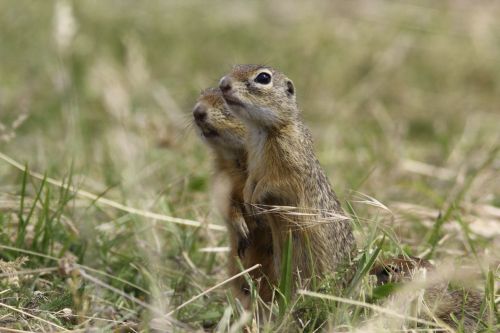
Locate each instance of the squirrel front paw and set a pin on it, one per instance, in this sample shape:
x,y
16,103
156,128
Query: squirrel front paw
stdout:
x,y
243,244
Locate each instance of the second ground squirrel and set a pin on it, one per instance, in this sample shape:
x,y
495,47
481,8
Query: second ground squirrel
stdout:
x,y
251,244
286,187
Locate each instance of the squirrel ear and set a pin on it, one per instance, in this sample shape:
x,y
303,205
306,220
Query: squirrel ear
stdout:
x,y
290,89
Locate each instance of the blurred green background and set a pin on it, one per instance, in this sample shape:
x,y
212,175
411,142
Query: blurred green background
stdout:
x,y
402,97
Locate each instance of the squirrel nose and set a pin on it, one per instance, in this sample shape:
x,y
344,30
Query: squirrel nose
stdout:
x,y
225,84
200,113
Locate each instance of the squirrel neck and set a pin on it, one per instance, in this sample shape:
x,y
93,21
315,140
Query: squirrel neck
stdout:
x,y
276,151
231,161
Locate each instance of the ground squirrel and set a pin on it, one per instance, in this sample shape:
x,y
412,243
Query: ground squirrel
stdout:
x,y
225,135
286,187
444,303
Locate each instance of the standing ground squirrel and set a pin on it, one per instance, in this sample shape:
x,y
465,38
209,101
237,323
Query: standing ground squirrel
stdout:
x,y
286,187
443,302
226,135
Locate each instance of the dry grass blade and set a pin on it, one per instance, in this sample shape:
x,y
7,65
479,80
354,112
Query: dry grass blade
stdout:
x,y
218,249
41,255
123,294
308,217
371,201
32,316
111,203
115,290
213,288
427,170
30,271
375,308
7,329
114,278
55,313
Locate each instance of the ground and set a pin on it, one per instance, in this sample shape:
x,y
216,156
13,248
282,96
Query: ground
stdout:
x,y
402,98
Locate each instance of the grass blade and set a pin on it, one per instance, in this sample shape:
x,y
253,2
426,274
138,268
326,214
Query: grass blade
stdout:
x,y
285,286
367,265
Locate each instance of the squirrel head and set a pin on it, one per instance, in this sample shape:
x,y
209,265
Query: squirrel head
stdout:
x,y
260,95
216,124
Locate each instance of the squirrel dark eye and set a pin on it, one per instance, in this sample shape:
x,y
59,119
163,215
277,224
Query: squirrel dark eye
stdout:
x,y
263,78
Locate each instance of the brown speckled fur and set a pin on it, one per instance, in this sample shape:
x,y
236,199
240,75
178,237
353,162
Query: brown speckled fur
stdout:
x,y
284,171
231,165
465,305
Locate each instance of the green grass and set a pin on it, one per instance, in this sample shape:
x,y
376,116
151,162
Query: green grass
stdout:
x,y
402,99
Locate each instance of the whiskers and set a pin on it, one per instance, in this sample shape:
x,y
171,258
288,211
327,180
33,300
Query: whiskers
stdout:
x,y
187,126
